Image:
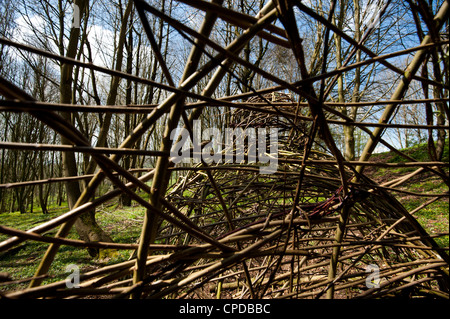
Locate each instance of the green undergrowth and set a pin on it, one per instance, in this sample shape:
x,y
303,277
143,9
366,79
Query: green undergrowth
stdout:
x,y
434,217
123,224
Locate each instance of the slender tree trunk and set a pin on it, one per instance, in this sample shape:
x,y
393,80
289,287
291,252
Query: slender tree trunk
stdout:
x,y
86,225
42,194
125,198
340,80
349,130
114,86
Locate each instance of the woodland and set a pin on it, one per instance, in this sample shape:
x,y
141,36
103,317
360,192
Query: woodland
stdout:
x,y
93,95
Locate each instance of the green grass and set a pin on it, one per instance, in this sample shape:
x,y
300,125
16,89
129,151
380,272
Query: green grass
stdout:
x,y
434,217
122,224
418,152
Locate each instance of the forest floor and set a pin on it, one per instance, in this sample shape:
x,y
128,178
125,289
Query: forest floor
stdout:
x,y
124,223
434,217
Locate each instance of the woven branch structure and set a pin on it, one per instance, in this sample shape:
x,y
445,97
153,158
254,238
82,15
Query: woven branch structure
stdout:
x,y
317,227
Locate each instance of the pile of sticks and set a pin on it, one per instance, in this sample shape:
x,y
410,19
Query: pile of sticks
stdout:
x,y
316,228
268,249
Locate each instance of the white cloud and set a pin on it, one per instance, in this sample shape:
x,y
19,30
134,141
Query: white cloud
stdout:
x,y
102,45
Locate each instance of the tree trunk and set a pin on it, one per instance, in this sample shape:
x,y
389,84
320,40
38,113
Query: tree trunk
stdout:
x,y
349,130
86,225
125,199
